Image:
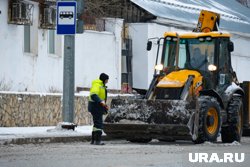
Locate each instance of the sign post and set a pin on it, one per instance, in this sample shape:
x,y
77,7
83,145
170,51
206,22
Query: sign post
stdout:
x,y
66,25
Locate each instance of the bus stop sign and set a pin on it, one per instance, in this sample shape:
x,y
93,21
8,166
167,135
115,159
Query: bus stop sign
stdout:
x,y
66,17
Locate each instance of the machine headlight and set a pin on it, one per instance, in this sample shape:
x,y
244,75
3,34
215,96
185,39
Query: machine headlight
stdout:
x,y
212,67
159,67
175,39
201,39
168,38
208,38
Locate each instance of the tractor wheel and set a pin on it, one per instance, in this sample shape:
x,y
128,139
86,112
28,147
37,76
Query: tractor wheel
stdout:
x,y
233,131
209,120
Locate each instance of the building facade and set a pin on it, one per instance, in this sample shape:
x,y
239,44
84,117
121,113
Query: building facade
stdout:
x,y
32,55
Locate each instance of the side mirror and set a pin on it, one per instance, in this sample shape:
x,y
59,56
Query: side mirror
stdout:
x,y
149,45
230,46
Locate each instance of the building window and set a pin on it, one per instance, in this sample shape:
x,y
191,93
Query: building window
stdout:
x,y
30,40
27,39
51,42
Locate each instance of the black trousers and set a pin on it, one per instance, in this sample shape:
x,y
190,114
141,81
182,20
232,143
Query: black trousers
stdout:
x,y
97,113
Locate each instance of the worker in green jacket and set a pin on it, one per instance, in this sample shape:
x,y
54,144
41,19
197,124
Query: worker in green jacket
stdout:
x,y
97,106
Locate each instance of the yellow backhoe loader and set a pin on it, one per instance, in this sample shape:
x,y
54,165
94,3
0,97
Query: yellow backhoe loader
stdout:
x,y
194,93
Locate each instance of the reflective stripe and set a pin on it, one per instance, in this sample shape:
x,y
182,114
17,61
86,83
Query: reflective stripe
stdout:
x,y
96,129
90,99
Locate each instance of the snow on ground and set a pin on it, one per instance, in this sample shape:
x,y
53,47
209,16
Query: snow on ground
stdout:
x,y
82,93
42,131
86,93
235,143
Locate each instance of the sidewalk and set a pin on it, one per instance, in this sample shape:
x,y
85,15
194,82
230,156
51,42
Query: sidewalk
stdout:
x,y
45,134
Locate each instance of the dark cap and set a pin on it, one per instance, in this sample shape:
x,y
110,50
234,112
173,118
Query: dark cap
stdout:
x,y
103,77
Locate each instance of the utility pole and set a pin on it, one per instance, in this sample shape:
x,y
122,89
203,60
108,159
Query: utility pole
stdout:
x,y
69,70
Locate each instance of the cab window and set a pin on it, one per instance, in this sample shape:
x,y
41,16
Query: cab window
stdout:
x,y
224,55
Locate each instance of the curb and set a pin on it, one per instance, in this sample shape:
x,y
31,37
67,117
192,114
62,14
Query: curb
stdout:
x,y
40,140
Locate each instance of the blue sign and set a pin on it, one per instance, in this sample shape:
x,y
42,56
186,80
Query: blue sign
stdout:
x,y
66,17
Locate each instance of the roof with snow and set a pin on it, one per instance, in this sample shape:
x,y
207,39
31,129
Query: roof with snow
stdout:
x,y
234,16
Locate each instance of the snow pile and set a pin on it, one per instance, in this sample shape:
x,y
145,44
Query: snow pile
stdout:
x,y
59,128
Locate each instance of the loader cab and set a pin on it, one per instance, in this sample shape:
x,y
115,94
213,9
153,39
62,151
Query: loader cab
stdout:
x,y
207,53
194,53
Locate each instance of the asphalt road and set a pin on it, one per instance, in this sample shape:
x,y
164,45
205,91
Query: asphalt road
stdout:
x,y
120,153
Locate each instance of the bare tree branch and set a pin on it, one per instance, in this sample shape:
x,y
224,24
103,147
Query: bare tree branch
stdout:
x,y
100,8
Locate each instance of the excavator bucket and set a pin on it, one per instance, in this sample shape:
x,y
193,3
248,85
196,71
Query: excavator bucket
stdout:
x,y
146,119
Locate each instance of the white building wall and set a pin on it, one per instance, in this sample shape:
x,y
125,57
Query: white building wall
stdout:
x,y
241,57
20,70
139,35
39,71
95,53
115,26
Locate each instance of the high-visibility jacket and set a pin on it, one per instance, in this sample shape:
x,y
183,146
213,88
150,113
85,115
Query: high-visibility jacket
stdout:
x,y
99,89
98,93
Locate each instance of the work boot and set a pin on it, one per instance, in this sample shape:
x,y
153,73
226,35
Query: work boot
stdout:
x,y
93,137
98,139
